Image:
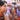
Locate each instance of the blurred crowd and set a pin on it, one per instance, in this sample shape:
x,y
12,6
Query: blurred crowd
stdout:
x,y
9,11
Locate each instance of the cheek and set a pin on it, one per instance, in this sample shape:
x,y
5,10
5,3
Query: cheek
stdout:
x,y
5,6
3,9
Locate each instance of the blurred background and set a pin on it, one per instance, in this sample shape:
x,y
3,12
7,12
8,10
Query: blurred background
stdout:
x,y
13,9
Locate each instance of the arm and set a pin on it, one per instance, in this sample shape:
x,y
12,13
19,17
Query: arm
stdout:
x,y
5,17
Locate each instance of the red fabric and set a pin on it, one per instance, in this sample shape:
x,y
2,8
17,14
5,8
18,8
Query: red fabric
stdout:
x,y
15,12
1,15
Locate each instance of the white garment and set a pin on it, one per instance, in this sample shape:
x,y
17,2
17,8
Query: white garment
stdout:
x,y
8,10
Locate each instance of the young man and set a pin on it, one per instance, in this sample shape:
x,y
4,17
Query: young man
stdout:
x,y
18,11
2,10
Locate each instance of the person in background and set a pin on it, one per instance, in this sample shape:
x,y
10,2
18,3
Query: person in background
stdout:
x,y
2,10
18,11
12,14
8,10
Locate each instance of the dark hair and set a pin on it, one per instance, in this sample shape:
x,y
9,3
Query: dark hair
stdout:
x,y
14,3
5,2
1,3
